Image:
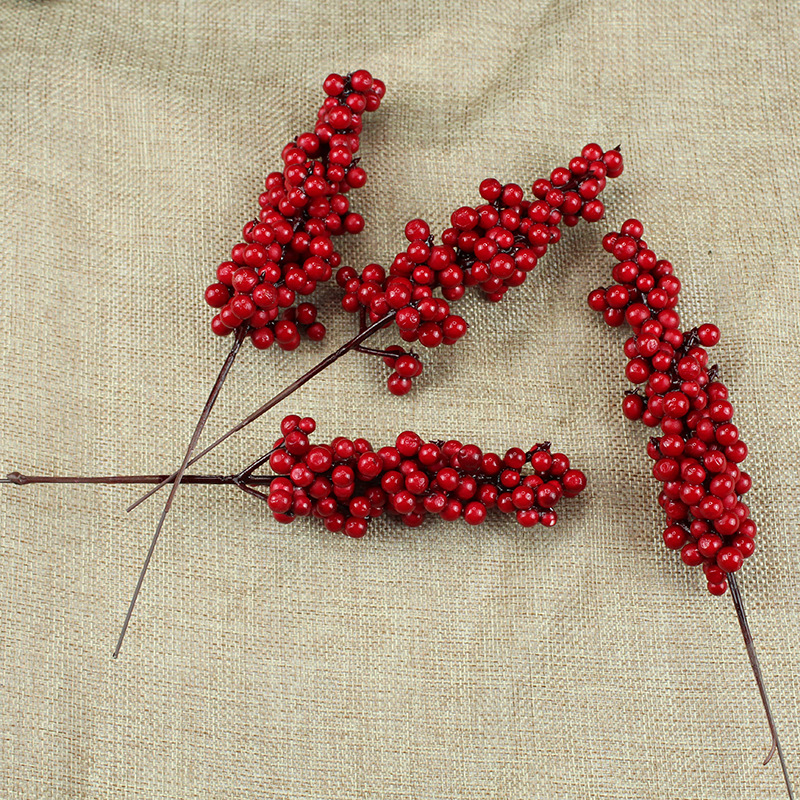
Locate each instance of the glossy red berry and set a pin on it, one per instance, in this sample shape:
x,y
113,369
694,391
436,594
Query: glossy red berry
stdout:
x,y
698,454
475,513
493,246
346,483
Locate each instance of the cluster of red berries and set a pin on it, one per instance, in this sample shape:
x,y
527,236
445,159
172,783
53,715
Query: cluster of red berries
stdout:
x,y
288,250
493,246
697,457
347,483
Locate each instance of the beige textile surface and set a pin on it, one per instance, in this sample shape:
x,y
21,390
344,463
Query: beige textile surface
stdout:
x,y
446,662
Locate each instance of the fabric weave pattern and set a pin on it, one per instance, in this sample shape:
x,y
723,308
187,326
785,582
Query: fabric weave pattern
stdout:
x,y
444,662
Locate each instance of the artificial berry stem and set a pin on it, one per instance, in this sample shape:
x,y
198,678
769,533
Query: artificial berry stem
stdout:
x,y
201,423
493,246
17,479
288,249
282,395
698,457
738,604
347,483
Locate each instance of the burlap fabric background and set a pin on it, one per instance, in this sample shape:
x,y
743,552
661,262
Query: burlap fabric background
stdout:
x,y
447,662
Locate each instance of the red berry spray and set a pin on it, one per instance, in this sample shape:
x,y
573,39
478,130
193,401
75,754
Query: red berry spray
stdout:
x,y
698,455
478,250
288,248
492,246
346,483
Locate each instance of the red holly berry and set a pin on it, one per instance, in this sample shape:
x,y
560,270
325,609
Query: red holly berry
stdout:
x,y
492,246
347,483
697,454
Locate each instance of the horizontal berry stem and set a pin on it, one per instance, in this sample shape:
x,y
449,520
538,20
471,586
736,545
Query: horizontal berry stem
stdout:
x,y
114,480
282,395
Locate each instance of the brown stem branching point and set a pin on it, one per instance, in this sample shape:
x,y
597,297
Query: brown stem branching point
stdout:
x,y
248,489
372,351
738,604
282,395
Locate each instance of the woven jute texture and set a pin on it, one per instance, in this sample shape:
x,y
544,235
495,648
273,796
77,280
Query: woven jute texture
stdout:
x,y
444,662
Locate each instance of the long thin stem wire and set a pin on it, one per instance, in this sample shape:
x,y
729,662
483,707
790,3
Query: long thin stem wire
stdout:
x,y
738,604
282,395
212,399
116,480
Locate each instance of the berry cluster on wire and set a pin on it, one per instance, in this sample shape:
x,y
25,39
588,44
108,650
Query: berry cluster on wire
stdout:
x,y
347,483
492,246
697,457
288,249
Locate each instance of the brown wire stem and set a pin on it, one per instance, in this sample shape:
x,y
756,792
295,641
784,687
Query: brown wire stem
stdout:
x,y
282,395
248,489
115,480
373,351
176,480
751,652
244,475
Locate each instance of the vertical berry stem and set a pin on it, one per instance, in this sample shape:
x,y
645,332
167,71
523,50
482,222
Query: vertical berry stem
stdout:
x,y
293,387
212,398
751,652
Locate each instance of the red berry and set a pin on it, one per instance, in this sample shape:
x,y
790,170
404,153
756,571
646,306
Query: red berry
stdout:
x,y
404,502
369,466
219,327
355,527
674,537
475,513
447,478
709,545
729,559
574,482
469,458
708,335
408,444
523,497
361,80
262,338
398,385
430,334
633,406
245,279
417,230
217,295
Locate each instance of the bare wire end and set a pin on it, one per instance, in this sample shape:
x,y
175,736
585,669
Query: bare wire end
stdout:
x,y
772,749
738,604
